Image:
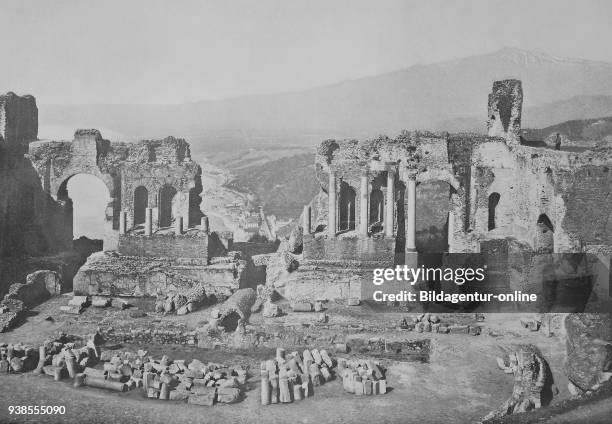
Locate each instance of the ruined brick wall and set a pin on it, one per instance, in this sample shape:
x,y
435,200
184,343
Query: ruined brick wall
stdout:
x,y
31,223
166,246
343,249
18,119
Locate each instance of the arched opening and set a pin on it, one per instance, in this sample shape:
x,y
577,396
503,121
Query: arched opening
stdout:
x,y
377,210
87,199
166,195
544,235
195,213
346,207
141,203
493,201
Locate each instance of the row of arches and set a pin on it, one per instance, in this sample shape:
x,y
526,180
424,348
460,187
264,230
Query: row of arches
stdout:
x,y
141,203
346,205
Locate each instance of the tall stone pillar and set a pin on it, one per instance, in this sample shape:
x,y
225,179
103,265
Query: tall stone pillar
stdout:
x,y
331,205
148,221
122,222
306,220
389,203
178,225
411,215
363,204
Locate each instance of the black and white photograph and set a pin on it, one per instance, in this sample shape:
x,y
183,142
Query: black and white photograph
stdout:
x,y
306,211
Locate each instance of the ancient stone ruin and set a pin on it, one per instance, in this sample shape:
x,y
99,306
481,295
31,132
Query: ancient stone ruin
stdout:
x,y
538,216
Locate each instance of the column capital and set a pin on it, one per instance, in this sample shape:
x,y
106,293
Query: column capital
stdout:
x,y
411,174
391,166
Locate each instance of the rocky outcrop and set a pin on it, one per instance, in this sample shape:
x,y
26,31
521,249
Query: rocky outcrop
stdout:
x,y
589,350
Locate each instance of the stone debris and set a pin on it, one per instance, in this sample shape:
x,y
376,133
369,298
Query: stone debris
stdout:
x,y
80,301
271,310
58,358
71,309
531,323
164,379
426,323
179,303
301,307
292,377
362,377
100,302
532,381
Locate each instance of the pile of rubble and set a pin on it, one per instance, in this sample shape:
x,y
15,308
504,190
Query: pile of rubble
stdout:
x,y
363,377
291,377
17,358
431,323
182,304
57,358
164,379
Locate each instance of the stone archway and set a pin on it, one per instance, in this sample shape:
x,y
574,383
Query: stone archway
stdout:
x,y
166,197
91,194
141,203
346,206
545,240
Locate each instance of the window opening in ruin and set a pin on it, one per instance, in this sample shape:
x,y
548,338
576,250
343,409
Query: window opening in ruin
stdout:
x,y
166,195
377,215
347,208
493,201
141,203
195,213
89,199
544,235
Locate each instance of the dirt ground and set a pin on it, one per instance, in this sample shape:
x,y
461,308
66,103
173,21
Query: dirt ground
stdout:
x,y
460,382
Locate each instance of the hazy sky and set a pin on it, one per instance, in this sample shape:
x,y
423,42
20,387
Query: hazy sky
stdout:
x,y
132,51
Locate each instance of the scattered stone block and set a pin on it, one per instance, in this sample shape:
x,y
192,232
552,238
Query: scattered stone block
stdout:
x,y
271,310
100,302
71,309
475,330
458,329
341,347
79,301
119,303
531,324
322,317
137,313
353,301
318,306
302,307
179,395
228,394
205,399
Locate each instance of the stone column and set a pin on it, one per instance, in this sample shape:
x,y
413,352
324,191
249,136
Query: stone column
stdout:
x,y
363,204
389,203
204,224
122,222
148,221
306,223
331,205
178,225
411,215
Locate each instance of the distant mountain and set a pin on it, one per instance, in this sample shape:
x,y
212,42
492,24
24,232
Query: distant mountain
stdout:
x,y
282,186
422,96
576,130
